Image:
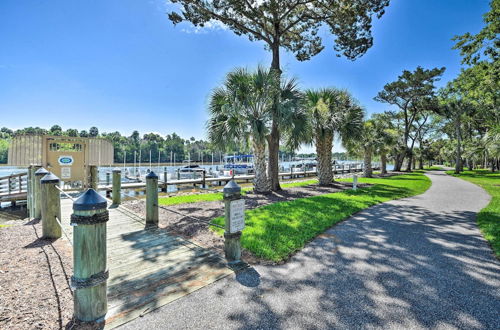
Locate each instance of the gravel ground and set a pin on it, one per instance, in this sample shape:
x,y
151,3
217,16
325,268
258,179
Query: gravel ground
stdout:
x,y
414,263
198,231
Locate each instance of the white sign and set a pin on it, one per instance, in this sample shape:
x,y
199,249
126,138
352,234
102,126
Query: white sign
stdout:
x,y
65,160
237,216
65,172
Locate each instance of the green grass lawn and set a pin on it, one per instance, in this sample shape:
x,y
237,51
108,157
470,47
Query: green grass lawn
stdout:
x,y
488,218
217,196
276,231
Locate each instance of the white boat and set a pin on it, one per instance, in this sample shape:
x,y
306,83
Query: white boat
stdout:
x,y
238,164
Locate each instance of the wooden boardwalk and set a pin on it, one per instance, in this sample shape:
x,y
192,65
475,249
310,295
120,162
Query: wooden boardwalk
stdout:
x,y
148,268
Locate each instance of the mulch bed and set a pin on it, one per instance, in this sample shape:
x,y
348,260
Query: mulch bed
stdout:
x,y
199,232
34,278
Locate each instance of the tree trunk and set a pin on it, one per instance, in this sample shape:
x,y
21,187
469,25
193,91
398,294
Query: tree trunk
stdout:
x,y
458,159
260,182
274,140
367,160
399,161
273,166
410,160
383,163
324,152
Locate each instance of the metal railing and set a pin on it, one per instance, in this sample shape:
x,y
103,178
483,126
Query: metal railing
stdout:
x,y
14,184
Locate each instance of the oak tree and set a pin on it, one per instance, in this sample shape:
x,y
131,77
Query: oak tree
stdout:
x,y
293,25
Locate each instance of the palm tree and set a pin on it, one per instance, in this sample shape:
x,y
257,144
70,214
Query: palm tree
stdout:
x,y
241,112
331,113
492,143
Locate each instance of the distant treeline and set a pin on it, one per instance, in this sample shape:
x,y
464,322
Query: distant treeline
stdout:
x,y
168,147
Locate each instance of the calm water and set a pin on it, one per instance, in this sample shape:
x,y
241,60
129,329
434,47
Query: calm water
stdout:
x,y
8,170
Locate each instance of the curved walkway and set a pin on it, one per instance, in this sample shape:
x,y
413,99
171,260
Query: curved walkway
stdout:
x,y
419,262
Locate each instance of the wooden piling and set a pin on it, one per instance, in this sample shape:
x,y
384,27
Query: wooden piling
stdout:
x,y
89,280
117,186
94,177
151,200
165,174
37,192
30,187
51,206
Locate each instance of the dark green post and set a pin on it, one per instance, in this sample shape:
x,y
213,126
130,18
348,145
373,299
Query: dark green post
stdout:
x,y
51,206
37,192
90,274
234,222
117,186
151,200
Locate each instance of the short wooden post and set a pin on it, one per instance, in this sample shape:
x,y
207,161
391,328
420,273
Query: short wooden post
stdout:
x,y
165,174
178,174
234,222
89,280
151,200
37,192
354,182
51,206
94,177
203,179
117,186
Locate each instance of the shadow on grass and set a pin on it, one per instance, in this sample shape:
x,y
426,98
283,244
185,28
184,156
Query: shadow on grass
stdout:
x,y
278,230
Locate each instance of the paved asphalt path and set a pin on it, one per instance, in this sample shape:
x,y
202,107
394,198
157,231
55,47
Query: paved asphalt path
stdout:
x,y
419,262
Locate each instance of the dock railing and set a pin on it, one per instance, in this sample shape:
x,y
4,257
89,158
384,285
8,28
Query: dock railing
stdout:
x,y
13,187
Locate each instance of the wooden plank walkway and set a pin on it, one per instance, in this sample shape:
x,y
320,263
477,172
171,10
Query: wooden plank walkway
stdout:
x,y
148,268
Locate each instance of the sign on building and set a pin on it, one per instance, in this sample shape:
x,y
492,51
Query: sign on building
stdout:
x,y
65,160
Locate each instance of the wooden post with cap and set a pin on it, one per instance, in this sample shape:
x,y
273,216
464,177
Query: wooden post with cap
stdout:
x,y
234,223
51,206
90,274
151,200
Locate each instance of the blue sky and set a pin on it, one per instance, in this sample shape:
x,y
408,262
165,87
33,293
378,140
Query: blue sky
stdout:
x,y
121,64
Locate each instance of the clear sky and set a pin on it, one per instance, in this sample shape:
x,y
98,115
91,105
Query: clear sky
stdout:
x,y
122,65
